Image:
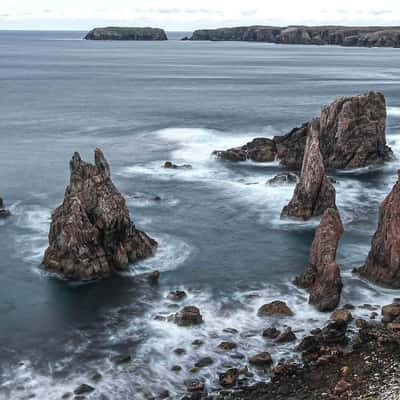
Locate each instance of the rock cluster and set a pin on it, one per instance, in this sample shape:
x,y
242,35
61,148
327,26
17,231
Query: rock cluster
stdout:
x,y
316,35
383,261
315,192
125,33
351,134
323,279
3,212
91,233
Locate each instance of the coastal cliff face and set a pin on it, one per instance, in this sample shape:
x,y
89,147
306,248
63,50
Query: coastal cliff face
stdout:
x,y
351,134
91,233
122,33
383,262
323,35
315,192
323,279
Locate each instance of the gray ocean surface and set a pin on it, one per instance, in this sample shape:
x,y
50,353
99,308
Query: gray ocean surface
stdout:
x,y
218,225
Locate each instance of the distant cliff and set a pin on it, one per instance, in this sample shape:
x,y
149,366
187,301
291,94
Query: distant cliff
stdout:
x,y
318,35
121,33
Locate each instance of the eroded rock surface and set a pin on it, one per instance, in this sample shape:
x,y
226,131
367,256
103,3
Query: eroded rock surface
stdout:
x,y
322,279
3,212
91,233
383,261
315,192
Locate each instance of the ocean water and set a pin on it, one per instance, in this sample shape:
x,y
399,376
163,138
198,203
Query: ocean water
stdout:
x,y
218,225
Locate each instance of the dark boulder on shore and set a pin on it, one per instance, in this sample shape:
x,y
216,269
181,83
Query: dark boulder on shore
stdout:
x,y
323,279
3,212
351,134
383,262
315,192
91,233
126,33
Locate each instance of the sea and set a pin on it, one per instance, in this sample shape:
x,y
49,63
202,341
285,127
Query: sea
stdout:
x,y
218,225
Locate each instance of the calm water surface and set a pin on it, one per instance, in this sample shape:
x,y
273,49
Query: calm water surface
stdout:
x,y
218,225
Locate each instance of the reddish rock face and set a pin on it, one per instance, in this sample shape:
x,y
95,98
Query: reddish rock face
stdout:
x,y
91,233
315,192
383,262
323,279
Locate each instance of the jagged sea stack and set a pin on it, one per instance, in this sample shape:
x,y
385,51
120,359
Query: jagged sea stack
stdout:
x,y
383,262
323,279
91,233
315,192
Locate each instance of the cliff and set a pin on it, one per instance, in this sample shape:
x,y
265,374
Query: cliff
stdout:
x,y
317,35
122,33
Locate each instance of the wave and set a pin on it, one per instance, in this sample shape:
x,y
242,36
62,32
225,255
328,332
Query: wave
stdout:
x,y
393,111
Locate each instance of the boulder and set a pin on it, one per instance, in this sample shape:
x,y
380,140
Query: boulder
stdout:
x,y
279,308
177,295
204,362
286,336
229,377
344,315
91,233
390,312
189,315
227,346
383,262
284,178
83,389
315,192
3,212
271,333
322,279
261,360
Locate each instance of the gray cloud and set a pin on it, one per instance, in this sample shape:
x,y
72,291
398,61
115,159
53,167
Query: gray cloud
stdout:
x,y
248,13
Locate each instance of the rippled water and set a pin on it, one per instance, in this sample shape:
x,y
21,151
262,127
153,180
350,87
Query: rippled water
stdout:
x,y
218,225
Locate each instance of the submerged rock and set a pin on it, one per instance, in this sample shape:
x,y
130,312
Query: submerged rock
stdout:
x,y
171,165
83,389
91,233
323,279
275,308
261,360
189,315
177,295
383,262
271,333
3,212
286,336
351,134
283,179
315,192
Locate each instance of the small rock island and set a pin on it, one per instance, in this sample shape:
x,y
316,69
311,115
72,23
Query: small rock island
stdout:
x,y
383,36
126,33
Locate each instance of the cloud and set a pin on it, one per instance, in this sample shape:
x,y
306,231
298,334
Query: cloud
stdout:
x,y
248,13
380,12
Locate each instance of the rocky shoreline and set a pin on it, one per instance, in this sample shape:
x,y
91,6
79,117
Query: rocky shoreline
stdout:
x,y
126,33
307,35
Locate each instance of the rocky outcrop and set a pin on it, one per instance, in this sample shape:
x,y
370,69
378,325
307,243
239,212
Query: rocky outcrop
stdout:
x,y
3,212
351,134
189,315
91,233
315,192
125,33
383,262
285,178
318,35
323,279
275,308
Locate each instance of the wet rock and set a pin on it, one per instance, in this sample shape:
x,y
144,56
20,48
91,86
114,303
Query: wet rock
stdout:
x,y
263,359
390,312
177,295
204,362
349,307
393,326
176,368
195,386
189,315
284,179
229,378
171,165
164,394
259,150
197,343
345,315
271,333
83,389
373,315
179,351
345,371
227,346
232,331
314,193
275,308
122,359
91,233
66,395
322,279
154,277
97,377
286,336
342,387
3,212
383,262
361,323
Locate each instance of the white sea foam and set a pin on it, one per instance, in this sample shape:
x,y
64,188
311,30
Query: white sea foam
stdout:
x,y
393,111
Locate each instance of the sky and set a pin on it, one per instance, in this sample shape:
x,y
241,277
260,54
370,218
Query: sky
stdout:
x,y
186,15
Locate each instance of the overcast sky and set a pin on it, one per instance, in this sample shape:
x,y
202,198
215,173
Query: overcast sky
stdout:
x,y
190,14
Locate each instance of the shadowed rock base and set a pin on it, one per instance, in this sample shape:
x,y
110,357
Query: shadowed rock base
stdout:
x,y
91,233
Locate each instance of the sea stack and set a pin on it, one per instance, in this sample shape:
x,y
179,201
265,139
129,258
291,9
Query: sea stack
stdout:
x,y
383,262
3,212
315,192
351,133
91,233
125,33
322,279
